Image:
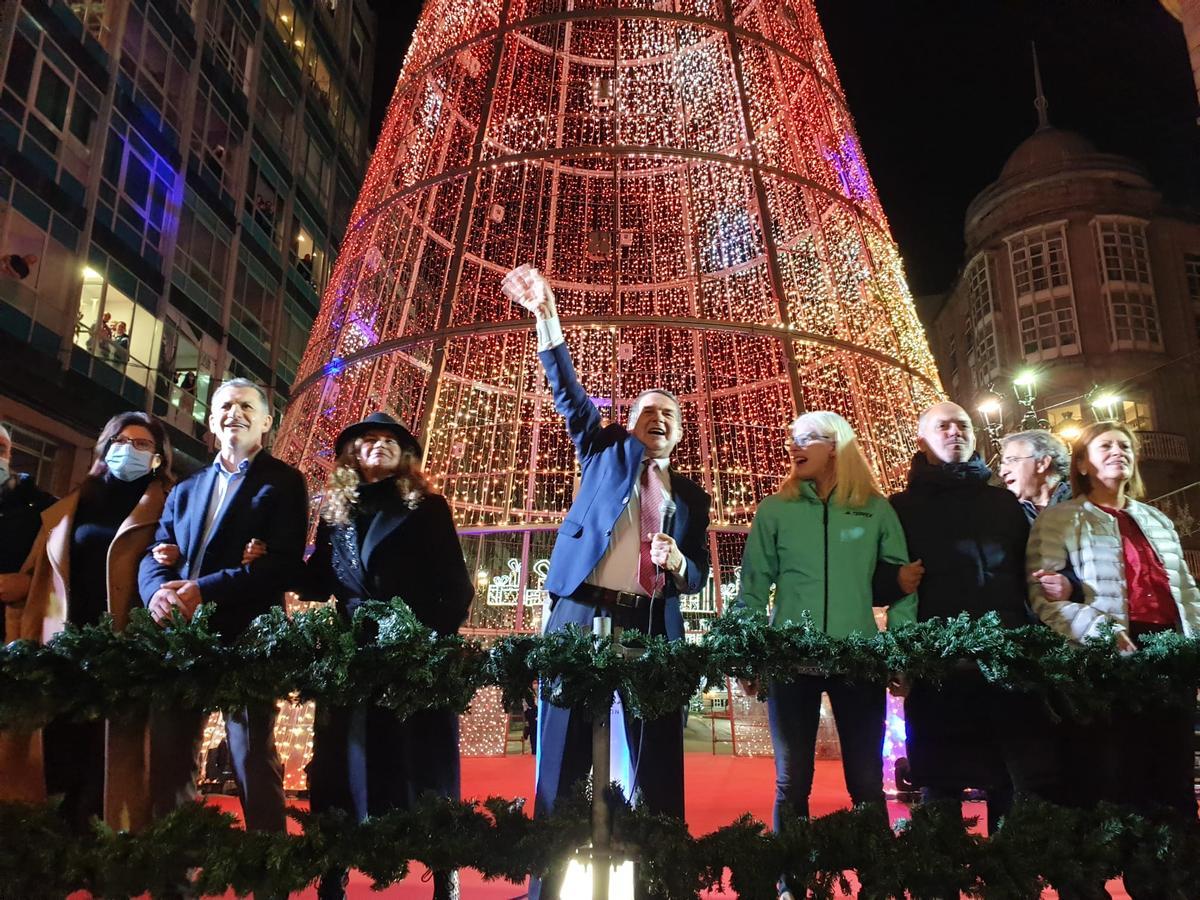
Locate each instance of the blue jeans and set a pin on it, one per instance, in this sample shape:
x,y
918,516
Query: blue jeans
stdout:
x,y
794,711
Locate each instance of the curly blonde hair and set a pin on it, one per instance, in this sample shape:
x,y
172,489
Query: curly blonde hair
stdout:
x,y
341,491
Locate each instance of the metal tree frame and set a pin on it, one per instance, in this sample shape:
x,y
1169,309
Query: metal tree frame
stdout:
x,y
687,174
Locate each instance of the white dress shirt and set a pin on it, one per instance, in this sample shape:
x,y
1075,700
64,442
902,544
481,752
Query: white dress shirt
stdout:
x,y
225,486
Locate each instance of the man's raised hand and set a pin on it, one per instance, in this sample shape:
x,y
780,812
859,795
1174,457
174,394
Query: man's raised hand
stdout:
x,y
527,286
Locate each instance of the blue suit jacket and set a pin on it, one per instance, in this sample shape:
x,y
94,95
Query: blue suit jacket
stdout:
x,y
270,504
611,458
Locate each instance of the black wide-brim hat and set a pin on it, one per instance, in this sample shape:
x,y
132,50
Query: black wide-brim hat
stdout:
x,y
377,421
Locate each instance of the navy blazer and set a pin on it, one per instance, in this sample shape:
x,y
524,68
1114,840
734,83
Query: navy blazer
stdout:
x,y
270,504
611,459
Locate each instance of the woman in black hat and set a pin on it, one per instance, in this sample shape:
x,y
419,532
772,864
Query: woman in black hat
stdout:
x,y
384,534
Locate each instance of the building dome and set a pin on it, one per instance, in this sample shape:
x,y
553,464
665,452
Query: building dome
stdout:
x,y
1047,149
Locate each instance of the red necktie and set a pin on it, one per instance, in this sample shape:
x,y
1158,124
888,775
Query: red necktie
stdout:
x,y
653,499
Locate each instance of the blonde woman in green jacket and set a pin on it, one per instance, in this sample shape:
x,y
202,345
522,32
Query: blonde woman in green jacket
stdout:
x,y
832,546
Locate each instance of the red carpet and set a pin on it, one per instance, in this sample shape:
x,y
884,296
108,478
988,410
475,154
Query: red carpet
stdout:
x,y
719,789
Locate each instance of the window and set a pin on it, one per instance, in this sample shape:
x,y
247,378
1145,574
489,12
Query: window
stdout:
x,y
1045,300
275,108
126,336
982,356
185,376
351,132
358,43
1130,311
135,190
50,102
216,137
293,337
1191,262
202,250
306,255
264,203
155,62
291,29
21,59
317,74
33,454
46,295
98,18
253,306
313,160
230,36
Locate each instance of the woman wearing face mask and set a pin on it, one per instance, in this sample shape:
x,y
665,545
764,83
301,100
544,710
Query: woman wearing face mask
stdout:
x,y
1129,575
84,565
831,544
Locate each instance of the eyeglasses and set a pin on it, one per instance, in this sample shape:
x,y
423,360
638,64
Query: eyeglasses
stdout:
x,y
803,440
138,443
1009,460
385,441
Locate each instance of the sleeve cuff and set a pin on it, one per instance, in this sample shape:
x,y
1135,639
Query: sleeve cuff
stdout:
x,y
549,333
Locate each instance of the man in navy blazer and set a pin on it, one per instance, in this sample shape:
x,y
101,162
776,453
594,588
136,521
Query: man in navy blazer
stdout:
x,y
210,519
598,565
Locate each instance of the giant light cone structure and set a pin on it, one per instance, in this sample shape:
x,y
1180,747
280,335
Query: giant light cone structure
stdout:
x,y
687,174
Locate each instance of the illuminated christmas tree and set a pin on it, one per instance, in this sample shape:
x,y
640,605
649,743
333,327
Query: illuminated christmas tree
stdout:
x,y
687,174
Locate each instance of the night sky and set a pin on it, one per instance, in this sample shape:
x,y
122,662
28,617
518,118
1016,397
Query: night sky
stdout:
x,y
942,92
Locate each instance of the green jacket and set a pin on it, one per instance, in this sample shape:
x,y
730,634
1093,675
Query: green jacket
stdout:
x,y
830,561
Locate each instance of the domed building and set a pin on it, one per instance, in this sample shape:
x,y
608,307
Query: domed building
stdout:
x,y
1079,270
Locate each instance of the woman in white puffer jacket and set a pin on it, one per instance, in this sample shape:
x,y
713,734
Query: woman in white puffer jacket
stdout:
x,y
1104,559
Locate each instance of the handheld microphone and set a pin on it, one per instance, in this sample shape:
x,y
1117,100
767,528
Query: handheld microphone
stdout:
x,y
668,519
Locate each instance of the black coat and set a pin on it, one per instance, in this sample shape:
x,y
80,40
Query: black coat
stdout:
x,y
367,761
971,537
413,554
20,521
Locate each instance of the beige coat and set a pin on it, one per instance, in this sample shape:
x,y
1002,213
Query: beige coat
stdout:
x,y
43,614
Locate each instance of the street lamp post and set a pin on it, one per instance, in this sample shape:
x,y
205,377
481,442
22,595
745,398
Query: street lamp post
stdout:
x,y
1105,404
1025,392
991,410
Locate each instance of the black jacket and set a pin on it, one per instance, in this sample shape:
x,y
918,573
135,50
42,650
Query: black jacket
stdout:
x,y
271,504
413,554
971,538
20,520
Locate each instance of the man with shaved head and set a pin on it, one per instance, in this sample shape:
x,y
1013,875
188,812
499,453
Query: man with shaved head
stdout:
x,y
970,536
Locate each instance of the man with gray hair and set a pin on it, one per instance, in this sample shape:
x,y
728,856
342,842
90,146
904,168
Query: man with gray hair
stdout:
x,y
631,543
200,558
1035,466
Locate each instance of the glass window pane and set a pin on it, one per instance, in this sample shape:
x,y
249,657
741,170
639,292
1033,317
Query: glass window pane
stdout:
x,y
52,97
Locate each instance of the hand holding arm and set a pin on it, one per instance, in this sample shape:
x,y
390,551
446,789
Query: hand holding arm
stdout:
x,y
909,576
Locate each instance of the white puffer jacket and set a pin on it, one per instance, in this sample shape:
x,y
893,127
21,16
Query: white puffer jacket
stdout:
x,y
1079,535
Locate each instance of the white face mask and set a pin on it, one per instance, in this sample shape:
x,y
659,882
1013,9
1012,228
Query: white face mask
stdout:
x,y
128,463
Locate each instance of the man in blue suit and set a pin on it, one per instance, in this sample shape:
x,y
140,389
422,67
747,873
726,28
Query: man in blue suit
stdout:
x,y
210,519
631,543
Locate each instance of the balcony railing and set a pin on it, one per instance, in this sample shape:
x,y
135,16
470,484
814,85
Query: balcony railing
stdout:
x,y
1163,446
1192,558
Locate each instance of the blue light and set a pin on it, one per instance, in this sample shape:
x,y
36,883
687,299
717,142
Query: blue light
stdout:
x,y
334,367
